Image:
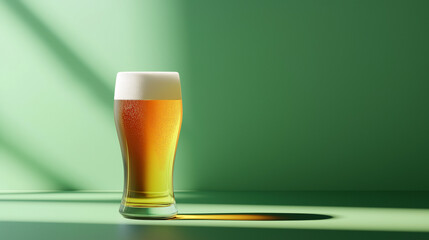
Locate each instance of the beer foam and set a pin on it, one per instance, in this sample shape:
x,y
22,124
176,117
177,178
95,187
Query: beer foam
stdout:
x,y
147,86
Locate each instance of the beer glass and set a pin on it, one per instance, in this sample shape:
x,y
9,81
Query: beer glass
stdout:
x,y
148,117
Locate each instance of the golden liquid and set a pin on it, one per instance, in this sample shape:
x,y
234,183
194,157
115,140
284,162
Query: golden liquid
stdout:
x,y
148,132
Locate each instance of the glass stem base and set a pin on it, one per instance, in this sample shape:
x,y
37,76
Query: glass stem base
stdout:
x,y
148,212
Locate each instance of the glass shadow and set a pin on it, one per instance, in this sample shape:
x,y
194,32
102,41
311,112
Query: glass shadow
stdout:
x,y
253,216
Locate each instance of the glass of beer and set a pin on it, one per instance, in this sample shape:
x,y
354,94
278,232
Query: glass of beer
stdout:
x,y
148,117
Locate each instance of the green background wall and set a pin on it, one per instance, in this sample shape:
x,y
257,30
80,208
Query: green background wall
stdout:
x,y
278,95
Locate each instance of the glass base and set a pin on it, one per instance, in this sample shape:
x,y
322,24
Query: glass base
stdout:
x,y
148,212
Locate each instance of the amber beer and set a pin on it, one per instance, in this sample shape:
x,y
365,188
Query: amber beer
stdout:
x,y
148,117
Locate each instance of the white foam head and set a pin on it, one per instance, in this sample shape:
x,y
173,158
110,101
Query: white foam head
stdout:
x,y
147,86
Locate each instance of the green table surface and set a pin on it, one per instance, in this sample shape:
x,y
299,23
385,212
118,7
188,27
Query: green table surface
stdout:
x,y
299,215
